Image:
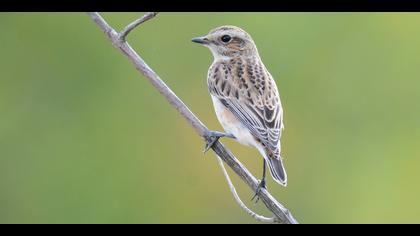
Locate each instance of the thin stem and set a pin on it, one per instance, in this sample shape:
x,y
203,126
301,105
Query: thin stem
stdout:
x,y
238,199
134,24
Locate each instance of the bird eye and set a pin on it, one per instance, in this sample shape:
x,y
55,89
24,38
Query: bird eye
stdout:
x,y
225,38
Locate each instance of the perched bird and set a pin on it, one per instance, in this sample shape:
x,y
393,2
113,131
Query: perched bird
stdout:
x,y
245,96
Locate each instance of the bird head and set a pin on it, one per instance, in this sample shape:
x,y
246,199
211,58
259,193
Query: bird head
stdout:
x,y
226,42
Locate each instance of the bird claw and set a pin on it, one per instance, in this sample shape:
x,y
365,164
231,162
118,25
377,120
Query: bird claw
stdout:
x,y
260,186
212,137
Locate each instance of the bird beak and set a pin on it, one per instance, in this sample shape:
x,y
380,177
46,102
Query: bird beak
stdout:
x,y
200,40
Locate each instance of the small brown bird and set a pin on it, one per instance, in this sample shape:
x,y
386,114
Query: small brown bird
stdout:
x,y
245,96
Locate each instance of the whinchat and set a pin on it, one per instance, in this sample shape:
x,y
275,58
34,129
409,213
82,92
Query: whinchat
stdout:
x,y
245,96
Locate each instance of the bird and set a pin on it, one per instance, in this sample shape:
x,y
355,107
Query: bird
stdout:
x,y
245,97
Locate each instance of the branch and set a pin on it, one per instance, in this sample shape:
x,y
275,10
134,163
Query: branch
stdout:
x,y
281,214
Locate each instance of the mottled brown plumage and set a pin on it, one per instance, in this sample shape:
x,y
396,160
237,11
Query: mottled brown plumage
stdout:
x,y
245,94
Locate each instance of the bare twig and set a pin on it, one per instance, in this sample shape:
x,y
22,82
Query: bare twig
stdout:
x,y
134,24
238,199
281,214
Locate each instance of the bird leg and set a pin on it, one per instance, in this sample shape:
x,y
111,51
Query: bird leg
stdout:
x,y
212,137
261,185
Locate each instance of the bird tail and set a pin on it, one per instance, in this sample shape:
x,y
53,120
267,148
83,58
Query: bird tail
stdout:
x,y
277,170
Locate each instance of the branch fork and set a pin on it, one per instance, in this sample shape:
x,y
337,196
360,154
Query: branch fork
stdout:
x,y
281,214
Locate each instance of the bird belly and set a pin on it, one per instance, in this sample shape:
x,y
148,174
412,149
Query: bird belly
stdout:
x,y
232,125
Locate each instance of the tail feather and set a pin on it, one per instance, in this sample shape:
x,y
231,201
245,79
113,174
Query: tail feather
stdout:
x,y
277,170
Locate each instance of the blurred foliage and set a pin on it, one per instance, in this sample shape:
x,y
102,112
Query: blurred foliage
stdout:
x,y
84,138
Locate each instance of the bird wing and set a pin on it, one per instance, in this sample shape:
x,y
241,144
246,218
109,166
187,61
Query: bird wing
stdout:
x,y
256,105
258,121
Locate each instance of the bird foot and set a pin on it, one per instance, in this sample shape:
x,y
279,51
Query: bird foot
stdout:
x,y
260,186
212,137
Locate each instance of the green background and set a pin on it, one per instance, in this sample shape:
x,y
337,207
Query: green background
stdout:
x,y
84,138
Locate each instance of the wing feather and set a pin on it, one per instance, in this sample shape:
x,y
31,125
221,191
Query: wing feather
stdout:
x,y
257,106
